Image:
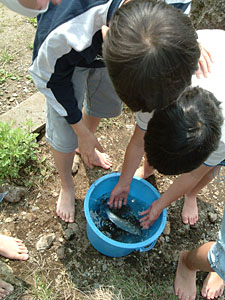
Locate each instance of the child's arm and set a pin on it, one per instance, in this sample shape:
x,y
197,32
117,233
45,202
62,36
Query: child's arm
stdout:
x,y
132,159
87,142
37,4
183,184
28,8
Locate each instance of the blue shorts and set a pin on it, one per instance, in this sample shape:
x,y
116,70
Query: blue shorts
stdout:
x,y
95,93
216,255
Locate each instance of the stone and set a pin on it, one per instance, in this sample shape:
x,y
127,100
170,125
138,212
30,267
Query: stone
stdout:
x,y
212,217
60,252
45,242
15,193
76,164
167,229
68,234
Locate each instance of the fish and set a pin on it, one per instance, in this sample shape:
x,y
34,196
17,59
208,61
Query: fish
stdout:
x,y
126,224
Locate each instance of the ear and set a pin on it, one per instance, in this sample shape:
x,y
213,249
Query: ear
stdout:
x,y
105,29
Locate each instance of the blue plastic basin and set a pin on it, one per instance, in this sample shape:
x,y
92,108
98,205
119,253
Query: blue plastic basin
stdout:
x,y
140,189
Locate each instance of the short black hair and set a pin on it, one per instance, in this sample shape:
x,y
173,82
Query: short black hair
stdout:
x,y
181,136
151,52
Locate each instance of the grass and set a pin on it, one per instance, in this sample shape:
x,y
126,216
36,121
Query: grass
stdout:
x,y
135,287
5,56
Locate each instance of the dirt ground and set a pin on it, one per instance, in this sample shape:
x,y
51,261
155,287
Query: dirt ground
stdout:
x,y
71,266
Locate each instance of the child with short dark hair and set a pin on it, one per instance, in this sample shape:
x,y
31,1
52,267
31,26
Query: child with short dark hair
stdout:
x,y
192,144
179,139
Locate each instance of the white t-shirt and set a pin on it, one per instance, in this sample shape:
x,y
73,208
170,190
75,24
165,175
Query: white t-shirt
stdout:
x,y
214,41
20,9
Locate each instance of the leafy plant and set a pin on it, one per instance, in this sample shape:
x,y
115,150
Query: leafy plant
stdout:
x,y
18,150
4,75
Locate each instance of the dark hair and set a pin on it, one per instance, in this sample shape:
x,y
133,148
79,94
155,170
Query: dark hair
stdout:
x,y
151,52
181,136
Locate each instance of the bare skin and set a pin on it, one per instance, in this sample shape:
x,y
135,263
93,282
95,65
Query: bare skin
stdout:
x,y
101,159
213,286
13,248
66,201
190,210
185,282
145,171
5,289
64,162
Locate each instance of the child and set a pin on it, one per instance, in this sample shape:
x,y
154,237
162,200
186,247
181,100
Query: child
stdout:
x,y
178,139
67,64
135,149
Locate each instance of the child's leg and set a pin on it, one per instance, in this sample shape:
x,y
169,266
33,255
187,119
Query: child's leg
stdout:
x,y
189,263
12,248
101,101
65,205
190,209
5,289
102,159
144,171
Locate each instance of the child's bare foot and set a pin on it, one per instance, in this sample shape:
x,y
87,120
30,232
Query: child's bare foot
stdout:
x,y
185,281
12,248
101,159
190,210
5,289
66,205
145,171
213,286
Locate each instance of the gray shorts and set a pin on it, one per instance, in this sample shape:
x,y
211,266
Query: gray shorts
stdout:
x,y
216,255
94,91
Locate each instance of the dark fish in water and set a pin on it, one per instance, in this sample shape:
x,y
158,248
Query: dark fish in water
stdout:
x,y
125,224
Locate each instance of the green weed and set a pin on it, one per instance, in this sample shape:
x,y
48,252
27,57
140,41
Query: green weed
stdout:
x,y
33,21
4,75
137,288
5,57
43,289
18,151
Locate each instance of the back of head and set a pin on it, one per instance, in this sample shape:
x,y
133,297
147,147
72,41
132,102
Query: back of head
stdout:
x,y
151,52
181,136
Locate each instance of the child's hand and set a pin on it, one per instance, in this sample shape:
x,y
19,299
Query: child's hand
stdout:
x,y
151,215
119,196
204,63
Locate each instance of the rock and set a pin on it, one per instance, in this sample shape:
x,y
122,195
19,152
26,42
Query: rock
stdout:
x,y
104,267
68,234
76,164
15,193
167,229
60,252
45,242
74,227
6,273
212,217
167,239
30,217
